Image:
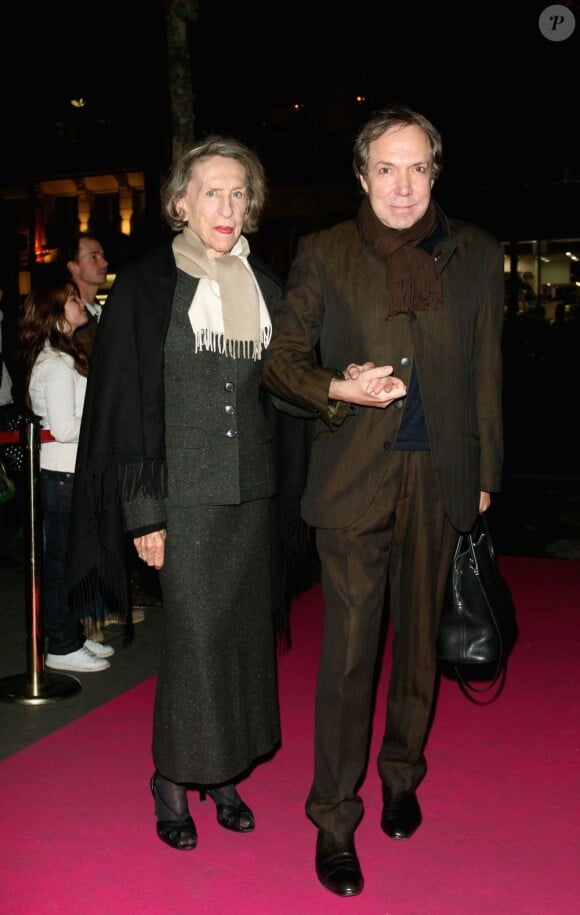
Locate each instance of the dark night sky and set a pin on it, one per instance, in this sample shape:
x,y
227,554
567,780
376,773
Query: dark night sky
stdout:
x,y
434,50
498,90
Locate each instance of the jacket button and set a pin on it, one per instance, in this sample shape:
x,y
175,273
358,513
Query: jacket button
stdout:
x,y
229,409
398,404
231,433
229,386
405,360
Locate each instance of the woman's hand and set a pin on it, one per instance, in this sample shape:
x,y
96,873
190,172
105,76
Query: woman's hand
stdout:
x,y
151,548
367,385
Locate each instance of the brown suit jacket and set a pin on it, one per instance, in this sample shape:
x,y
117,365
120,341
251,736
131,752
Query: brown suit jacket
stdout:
x,y
334,312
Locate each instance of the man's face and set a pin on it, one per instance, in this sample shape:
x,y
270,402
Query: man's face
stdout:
x,y
91,265
399,176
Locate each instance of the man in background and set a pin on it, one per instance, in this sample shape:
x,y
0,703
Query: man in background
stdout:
x,y
87,265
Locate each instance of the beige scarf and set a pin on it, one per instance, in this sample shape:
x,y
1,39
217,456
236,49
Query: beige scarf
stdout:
x,y
228,313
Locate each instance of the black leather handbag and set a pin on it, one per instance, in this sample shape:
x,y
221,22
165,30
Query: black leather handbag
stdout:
x,y
478,625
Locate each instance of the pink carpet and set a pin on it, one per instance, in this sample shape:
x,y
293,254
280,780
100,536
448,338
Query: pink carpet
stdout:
x,y
501,816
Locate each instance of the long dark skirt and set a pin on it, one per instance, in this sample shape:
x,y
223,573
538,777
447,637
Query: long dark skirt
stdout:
x,y
216,707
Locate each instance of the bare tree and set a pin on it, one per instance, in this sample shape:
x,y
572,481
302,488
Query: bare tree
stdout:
x,y
178,13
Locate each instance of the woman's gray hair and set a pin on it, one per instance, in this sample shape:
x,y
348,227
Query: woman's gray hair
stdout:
x,y
385,119
179,177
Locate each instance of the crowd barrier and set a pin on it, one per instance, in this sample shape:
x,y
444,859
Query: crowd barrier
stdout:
x,y
36,686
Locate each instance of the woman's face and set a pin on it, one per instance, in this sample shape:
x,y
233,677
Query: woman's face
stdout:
x,y
215,203
75,312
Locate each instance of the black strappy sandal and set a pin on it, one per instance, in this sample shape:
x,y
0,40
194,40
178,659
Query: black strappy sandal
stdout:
x,y
232,813
178,831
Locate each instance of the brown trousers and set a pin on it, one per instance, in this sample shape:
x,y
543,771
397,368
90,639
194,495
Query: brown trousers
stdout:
x,y
405,540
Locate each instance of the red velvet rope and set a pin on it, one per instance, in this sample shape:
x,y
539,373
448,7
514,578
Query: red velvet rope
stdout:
x,y
13,438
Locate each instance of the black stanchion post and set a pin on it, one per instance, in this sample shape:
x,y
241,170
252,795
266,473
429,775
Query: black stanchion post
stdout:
x,y
36,686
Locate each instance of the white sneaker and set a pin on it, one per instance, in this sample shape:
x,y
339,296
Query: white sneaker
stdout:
x,y
82,660
100,651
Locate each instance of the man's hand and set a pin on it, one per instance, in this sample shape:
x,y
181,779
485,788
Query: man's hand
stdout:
x,y
484,501
367,385
151,548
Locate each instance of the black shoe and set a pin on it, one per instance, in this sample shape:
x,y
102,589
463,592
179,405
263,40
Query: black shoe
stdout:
x,y
232,813
178,829
337,864
401,814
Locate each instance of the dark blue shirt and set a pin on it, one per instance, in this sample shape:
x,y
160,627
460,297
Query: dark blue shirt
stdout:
x,y
412,435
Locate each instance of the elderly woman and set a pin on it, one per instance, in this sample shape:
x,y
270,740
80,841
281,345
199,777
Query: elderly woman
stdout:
x,y
176,450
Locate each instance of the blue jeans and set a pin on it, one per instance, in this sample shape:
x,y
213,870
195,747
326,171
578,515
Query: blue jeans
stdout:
x,y
62,628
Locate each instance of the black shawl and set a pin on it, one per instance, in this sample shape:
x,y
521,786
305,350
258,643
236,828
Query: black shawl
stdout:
x,y
121,450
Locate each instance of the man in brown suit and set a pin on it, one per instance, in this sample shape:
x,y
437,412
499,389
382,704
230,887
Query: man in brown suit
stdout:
x,y
390,332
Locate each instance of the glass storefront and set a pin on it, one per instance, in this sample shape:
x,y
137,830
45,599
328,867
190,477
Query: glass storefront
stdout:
x,y
543,277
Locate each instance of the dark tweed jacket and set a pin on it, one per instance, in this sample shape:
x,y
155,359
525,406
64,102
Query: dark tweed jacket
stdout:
x,y
123,444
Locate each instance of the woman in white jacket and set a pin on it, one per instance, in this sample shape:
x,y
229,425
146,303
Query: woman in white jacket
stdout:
x,y
57,370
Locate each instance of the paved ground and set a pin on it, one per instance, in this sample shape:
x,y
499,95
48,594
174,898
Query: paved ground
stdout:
x,y
36,702
537,515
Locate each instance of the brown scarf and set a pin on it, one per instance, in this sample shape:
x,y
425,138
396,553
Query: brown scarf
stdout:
x,y
412,283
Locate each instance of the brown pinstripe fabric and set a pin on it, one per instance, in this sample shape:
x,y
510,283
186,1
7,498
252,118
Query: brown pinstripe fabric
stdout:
x,y
336,291
404,530
380,512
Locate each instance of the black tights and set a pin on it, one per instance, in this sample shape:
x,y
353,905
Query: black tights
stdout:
x,y
171,798
171,807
